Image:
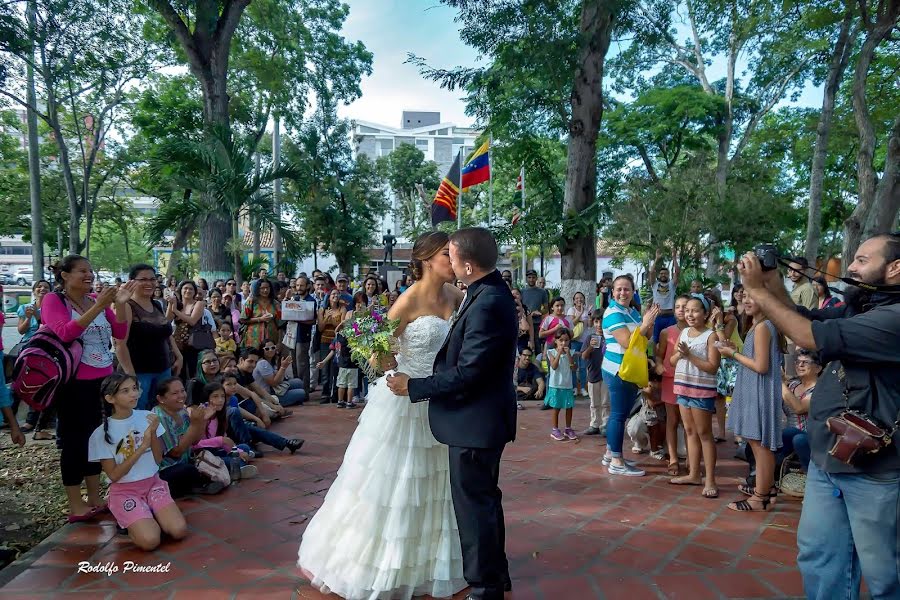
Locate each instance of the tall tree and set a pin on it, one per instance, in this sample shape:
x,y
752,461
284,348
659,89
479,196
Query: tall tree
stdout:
x,y
545,78
878,200
337,200
258,58
414,181
88,57
840,56
764,34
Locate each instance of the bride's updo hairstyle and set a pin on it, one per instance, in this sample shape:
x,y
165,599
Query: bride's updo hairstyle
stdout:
x,y
426,246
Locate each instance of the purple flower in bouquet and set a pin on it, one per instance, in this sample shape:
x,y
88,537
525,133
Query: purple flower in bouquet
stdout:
x,y
377,316
356,329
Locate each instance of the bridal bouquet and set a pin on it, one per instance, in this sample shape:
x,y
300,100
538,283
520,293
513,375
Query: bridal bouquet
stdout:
x,y
370,333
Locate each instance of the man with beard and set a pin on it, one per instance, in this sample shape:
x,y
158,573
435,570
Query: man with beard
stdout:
x,y
849,525
803,293
663,293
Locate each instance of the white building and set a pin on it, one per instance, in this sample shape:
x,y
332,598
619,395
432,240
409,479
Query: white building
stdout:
x,y
437,140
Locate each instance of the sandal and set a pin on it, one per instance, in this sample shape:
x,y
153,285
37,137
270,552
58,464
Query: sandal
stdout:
x,y
659,454
749,490
745,506
27,427
710,493
44,436
674,469
684,481
718,440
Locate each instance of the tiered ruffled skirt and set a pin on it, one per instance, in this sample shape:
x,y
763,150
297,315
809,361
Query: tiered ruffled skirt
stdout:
x,y
387,529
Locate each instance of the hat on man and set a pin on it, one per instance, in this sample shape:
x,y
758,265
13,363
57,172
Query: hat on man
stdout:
x,y
342,277
530,272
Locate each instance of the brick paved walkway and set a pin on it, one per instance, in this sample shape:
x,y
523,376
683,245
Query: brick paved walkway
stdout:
x,y
573,532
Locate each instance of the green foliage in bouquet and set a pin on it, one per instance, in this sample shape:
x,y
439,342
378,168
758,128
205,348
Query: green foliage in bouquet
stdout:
x,y
370,332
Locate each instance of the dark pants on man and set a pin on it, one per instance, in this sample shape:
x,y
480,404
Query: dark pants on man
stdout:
x,y
474,477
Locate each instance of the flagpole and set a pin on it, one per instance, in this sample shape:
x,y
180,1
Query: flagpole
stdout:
x,y
491,183
460,197
523,214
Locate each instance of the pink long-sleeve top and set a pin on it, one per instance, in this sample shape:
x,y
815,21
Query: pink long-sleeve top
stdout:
x,y
97,359
212,439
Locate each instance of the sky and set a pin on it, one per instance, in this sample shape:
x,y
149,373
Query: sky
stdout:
x,y
392,28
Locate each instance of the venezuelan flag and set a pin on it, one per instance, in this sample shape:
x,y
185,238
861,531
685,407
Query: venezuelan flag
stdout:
x,y
478,169
443,207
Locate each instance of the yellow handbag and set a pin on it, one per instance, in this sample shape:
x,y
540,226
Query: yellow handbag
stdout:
x,y
634,363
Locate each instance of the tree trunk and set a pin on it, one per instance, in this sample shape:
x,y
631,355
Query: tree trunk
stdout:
x,y
887,196
865,168
34,157
207,49
178,244
842,49
257,243
216,229
578,254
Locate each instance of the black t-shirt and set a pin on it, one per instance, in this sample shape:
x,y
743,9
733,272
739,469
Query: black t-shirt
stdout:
x,y
342,356
245,379
862,350
527,376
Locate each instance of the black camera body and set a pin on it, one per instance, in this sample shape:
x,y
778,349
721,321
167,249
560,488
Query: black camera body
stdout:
x,y
767,255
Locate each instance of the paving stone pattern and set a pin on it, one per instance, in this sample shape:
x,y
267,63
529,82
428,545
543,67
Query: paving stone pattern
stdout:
x,y
573,531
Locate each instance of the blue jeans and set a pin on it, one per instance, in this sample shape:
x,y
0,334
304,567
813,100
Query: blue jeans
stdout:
x,y
622,396
245,433
147,381
849,528
795,440
295,394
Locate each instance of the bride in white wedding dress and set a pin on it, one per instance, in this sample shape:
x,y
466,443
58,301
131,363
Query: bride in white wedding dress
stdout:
x,y
387,529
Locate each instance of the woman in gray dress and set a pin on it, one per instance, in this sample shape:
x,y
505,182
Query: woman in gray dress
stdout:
x,y
755,412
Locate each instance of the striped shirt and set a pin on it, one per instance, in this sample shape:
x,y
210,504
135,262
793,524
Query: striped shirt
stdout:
x,y
690,381
617,317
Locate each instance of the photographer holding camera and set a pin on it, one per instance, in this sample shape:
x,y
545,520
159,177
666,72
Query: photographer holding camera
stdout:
x,y
849,525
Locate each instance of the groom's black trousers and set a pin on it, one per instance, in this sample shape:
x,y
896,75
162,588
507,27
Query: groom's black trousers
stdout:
x,y
479,515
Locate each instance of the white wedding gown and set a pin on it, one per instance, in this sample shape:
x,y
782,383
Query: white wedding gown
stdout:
x,y
387,529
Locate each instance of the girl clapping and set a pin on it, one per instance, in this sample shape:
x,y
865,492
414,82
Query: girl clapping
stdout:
x,y
129,451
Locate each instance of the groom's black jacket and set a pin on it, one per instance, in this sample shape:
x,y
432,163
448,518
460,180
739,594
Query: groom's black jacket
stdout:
x,y
472,397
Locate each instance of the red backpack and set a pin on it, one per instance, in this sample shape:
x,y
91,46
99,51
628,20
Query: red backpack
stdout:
x,y
45,363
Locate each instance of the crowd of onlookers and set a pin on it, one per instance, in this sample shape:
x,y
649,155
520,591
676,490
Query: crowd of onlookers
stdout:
x,y
179,382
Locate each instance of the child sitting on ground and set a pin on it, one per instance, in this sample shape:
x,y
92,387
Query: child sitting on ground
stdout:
x,y
129,450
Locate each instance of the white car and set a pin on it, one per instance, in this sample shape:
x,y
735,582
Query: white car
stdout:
x,y
25,277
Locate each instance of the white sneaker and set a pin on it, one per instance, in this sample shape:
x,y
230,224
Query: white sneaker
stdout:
x,y
248,471
607,460
637,450
626,470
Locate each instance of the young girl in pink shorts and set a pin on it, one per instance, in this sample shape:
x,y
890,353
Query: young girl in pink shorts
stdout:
x,y
129,450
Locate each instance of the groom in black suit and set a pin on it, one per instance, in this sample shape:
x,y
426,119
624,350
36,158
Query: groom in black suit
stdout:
x,y
472,406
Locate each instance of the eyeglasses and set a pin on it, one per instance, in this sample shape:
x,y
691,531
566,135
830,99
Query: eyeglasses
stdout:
x,y
267,348
231,283
209,362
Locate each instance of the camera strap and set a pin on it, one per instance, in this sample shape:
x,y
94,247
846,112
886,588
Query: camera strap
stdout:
x,y
869,287
845,388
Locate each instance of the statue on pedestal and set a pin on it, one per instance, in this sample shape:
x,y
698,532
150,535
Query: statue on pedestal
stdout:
x,y
389,242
